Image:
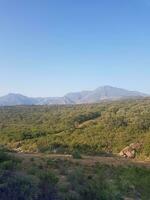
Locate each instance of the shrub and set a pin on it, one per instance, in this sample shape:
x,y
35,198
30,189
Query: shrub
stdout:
x,y
76,154
14,187
47,186
8,162
4,156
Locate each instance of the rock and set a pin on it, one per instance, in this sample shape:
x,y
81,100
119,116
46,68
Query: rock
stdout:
x,y
135,146
18,144
130,151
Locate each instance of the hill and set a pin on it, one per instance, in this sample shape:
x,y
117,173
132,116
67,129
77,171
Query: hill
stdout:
x,y
93,128
45,135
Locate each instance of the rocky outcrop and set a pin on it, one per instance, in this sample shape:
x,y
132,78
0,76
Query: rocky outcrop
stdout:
x,y
130,151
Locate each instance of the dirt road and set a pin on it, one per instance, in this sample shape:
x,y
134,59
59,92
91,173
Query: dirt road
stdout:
x,y
88,160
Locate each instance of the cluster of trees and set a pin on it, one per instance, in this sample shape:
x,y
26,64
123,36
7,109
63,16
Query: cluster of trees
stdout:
x,y
106,127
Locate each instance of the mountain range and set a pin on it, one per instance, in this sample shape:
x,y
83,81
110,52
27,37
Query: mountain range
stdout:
x,y
104,93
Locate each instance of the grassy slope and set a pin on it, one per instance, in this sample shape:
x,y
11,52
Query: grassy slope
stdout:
x,y
106,127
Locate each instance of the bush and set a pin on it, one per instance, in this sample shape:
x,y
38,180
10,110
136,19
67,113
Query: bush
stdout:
x,y
8,162
47,186
14,187
3,156
7,165
76,154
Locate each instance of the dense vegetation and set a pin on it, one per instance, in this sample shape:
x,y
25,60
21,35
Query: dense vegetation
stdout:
x,y
81,129
54,179
106,127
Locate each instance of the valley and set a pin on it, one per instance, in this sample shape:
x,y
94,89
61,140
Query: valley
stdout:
x,y
71,152
96,129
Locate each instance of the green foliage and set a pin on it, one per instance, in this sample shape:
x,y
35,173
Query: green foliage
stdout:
x,y
76,154
8,162
134,181
15,187
3,156
97,128
65,180
85,117
110,183
47,185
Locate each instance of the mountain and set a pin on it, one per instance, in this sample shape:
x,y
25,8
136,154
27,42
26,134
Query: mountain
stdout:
x,y
53,101
108,93
16,99
104,93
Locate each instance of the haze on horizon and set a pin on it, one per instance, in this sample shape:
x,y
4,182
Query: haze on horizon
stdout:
x,y
52,48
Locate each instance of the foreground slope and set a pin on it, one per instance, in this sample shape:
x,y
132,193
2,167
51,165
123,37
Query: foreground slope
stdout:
x,y
45,177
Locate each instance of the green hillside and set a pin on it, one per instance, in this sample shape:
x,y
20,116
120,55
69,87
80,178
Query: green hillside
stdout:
x,y
96,128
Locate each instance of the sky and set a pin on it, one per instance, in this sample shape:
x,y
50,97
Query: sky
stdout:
x,y
52,47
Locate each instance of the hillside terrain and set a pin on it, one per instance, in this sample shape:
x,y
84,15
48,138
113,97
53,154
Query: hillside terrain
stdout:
x,y
91,129
52,177
104,93
70,152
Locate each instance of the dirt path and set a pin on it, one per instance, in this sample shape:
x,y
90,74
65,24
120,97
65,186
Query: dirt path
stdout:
x,y
88,160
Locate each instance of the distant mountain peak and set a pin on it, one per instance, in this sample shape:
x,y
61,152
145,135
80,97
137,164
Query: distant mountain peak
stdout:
x,y
15,94
106,86
105,92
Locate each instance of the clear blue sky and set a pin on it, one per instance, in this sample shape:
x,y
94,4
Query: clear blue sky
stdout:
x,y
51,47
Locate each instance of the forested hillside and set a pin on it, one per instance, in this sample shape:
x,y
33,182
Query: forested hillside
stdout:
x,y
97,128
